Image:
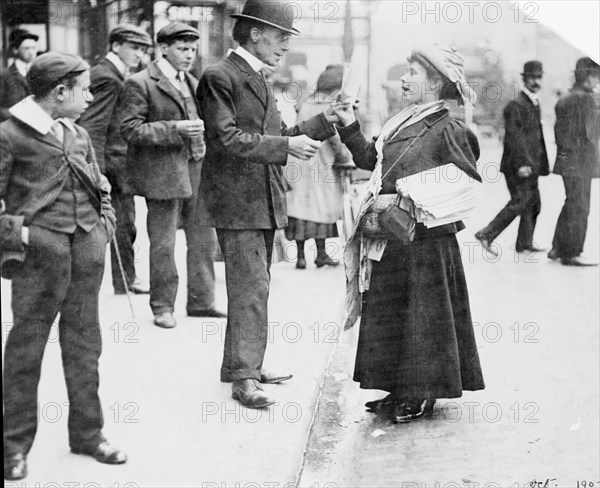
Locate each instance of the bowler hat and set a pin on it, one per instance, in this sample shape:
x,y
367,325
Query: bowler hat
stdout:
x,y
275,14
532,68
16,37
176,30
130,33
50,68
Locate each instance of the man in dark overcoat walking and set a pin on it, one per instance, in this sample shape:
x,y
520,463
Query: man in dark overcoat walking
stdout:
x,y
13,85
127,44
524,160
577,134
242,191
164,132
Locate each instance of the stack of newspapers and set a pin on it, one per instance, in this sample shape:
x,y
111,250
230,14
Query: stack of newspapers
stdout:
x,y
438,196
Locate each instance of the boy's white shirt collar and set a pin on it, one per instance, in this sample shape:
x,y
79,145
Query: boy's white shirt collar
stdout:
x,y
255,63
118,63
31,113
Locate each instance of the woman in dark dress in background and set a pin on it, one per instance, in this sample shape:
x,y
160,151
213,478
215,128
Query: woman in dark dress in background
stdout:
x,y
416,336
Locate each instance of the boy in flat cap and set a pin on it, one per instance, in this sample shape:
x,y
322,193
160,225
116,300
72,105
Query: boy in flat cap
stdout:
x,y
242,191
13,85
524,160
165,137
128,44
55,222
577,134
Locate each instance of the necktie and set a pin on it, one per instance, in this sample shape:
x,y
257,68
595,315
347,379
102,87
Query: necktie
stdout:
x,y
183,86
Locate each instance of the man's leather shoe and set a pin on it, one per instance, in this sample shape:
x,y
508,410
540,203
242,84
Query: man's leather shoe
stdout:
x,y
15,466
553,254
530,248
206,312
270,377
486,244
326,260
301,263
103,453
137,287
577,261
165,320
249,393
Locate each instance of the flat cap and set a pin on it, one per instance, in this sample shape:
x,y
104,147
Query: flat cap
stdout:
x,y
130,33
175,30
47,70
16,37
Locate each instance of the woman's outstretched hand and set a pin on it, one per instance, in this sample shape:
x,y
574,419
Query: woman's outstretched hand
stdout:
x,y
344,112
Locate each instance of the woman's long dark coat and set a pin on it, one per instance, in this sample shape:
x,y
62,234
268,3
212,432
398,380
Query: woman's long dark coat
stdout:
x,y
416,338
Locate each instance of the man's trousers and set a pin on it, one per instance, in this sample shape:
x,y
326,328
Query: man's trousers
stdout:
x,y
572,223
162,222
125,234
62,274
524,202
247,255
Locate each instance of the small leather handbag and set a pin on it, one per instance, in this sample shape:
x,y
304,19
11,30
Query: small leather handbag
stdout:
x,y
386,220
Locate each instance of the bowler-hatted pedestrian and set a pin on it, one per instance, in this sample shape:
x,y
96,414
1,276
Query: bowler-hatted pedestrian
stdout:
x,y
242,190
524,160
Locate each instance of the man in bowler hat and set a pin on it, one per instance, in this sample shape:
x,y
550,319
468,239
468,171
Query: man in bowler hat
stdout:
x,y
13,85
55,222
165,136
242,192
577,134
127,45
524,159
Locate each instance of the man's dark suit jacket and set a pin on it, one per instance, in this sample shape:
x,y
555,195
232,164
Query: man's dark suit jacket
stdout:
x,y
242,184
13,89
157,156
523,139
577,132
101,119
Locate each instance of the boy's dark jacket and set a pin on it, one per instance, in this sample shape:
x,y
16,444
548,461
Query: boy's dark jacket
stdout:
x,y
33,171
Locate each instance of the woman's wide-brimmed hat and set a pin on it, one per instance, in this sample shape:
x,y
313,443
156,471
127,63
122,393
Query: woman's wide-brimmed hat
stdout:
x,y
449,62
275,14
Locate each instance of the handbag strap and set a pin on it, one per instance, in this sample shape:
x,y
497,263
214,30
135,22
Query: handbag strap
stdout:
x,y
410,145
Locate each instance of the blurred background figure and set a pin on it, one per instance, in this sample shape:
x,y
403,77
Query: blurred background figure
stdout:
x,y
13,86
577,133
315,199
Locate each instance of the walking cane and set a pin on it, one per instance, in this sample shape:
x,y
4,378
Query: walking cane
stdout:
x,y
125,284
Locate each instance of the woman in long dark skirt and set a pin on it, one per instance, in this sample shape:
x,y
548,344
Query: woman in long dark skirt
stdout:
x,y
416,336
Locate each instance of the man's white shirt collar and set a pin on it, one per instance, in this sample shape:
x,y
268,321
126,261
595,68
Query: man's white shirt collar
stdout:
x,y
32,114
22,66
118,63
532,96
255,63
167,69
